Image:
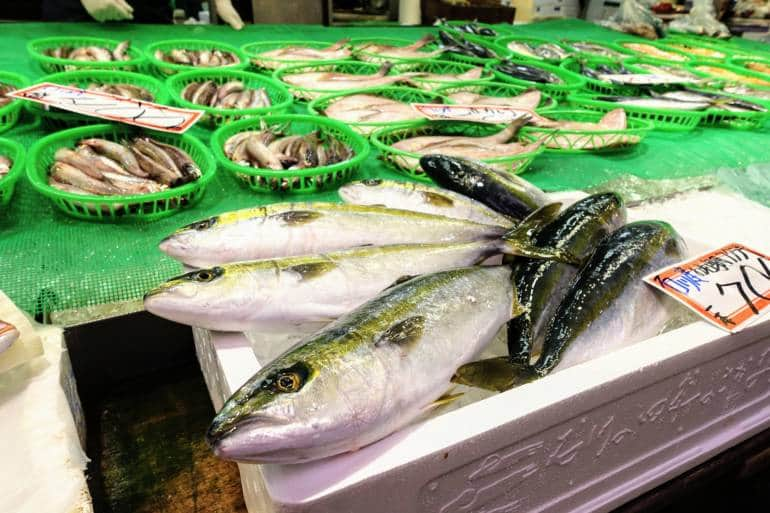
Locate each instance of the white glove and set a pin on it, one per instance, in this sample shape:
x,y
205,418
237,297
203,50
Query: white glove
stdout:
x,y
227,12
108,10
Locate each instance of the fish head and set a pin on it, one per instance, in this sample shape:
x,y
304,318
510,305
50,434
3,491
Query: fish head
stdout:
x,y
446,170
355,192
209,241
610,208
298,408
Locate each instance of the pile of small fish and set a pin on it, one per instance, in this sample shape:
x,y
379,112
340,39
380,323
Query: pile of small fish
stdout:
x,y
475,29
660,69
528,72
8,335
5,165
199,58
338,50
107,168
91,53
458,44
370,108
282,264
373,50
4,90
732,76
595,49
266,149
686,99
549,51
654,52
595,71
230,95
126,90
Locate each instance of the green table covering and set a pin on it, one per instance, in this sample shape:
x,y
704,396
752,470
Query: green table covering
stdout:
x,y
52,263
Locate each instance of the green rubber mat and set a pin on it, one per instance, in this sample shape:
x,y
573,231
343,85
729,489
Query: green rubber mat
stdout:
x,y
52,263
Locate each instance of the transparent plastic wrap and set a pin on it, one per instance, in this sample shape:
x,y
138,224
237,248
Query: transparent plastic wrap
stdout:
x,y
701,20
635,17
752,182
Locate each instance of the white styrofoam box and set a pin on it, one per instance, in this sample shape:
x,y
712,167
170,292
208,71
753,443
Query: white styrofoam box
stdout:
x,y
587,438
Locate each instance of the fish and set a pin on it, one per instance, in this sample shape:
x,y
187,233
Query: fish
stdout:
x,y
91,53
229,95
206,58
474,28
382,365
370,108
527,100
760,67
698,50
528,72
504,193
120,53
5,89
606,307
338,50
334,81
420,198
595,49
667,70
8,335
65,173
655,102
655,52
716,101
461,45
732,76
262,294
5,165
745,90
431,81
548,51
412,51
567,133
292,229
116,152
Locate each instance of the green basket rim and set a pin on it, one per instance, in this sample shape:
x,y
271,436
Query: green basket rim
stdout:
x,y
504,40
180,43
223,133
749,73
656,44
572,82
15,79
287,70
566,43
314,107
110,43
176,92
667,42
252,56
389,41
34,175
18,154
739,62
386,148
552,102
580,100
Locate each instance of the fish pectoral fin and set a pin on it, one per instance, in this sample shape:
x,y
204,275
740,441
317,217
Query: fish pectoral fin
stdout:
x,y
447,398
495,374
312,270
405,333
297,217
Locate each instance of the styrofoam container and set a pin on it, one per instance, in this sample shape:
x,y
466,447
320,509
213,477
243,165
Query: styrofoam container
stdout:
x,y
586,438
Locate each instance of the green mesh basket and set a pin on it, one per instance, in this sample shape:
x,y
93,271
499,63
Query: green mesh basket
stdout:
x,y
401,94
513,54
571,81
580,141
163,69
15,152
696,49
37,47
254,52
147,207
746,63
722,45
9,114
452,26
369,56
567,44
676,55
408,163
661,119
735,74
593,84
496,89
56,119
214,117
500,51
638,65
295,180
439,66
306,93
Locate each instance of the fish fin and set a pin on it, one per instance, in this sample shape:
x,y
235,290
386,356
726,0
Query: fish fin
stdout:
x,y
297,217
614,120
437,199
339,44
405,333
447,398
384,69
312,270
400,280
495,374
424,40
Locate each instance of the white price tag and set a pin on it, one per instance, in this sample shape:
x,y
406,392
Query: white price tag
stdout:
x,y
729,286
492,114
111,107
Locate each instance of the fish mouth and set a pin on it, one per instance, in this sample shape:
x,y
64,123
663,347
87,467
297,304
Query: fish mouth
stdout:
x,y
242,440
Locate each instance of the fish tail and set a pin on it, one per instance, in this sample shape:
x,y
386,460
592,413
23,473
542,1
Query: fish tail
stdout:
x,y
496,374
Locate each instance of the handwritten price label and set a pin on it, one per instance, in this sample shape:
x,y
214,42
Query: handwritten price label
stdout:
x,y
492,114
111,107
729,287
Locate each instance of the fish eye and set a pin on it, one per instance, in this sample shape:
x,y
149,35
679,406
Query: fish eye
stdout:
x,y
372,182
287,382
206,275
290,379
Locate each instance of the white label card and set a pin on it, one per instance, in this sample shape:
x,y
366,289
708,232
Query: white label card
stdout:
x,y
492,114
111,107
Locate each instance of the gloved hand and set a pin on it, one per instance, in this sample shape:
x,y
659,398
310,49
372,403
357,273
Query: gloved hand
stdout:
x,y
227,12
108,10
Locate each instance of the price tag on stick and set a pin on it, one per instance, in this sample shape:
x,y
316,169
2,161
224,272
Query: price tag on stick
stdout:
x,y
111,107
493,114
729,286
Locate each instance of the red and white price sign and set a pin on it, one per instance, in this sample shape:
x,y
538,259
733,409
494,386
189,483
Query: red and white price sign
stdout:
x,y
729,286
111,107
492,114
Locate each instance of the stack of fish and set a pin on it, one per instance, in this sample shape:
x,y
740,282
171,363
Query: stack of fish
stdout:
x,y
4,90
732,76
370,109
267,149
412,336
5,166
549,51
230,95
127,90
528,72
106,168
91,53
199,58
475,29
687,99
373,50
338,50
462,46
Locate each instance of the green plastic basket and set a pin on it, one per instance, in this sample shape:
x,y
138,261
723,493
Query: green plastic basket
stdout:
x,y
598,86
722,45
581,141
9,114
497,89
661,119
295,180
683,57
214,117
503,43
147,207
56,119
163,69
408,162
254,52
697,68
15,152
303,93
743,63
500,51
441,67
567,44
402,94
572,82
49,64
695,49
377,58
638,66
451,26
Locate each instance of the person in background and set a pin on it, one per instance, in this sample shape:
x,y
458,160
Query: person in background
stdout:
x,y
139,11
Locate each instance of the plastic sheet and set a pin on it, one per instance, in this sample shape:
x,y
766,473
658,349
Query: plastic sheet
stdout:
x,y
635,17
701,20
753,182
